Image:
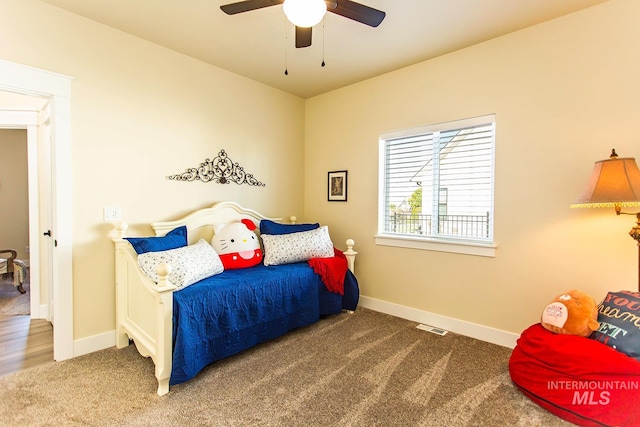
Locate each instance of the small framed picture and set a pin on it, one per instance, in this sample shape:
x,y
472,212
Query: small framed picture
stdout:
x,y
337,186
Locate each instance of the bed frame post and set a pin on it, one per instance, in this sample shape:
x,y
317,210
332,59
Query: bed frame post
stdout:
x,y
164,360
118,234
137,297
351,255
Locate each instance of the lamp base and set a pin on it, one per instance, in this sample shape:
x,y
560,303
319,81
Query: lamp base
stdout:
x,y
635,234
635,231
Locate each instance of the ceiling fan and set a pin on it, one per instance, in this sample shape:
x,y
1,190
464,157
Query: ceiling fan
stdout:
x,y
347,8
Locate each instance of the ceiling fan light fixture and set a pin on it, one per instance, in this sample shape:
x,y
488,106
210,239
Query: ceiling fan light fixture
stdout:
x,y
304,13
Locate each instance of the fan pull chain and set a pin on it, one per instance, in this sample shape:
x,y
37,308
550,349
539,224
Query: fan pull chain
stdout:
x,y
323,64
286,48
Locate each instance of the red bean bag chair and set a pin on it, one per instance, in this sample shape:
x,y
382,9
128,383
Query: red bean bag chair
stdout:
x,y
578,379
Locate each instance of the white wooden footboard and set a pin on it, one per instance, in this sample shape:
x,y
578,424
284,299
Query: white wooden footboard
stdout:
x,y
144,309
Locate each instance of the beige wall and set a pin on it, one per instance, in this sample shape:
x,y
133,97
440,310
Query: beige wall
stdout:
x,y
14,194
139,113
564,93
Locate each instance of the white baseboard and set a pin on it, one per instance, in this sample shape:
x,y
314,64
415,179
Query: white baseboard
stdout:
x,y
495,336
473,330
43,311
94,343
40,311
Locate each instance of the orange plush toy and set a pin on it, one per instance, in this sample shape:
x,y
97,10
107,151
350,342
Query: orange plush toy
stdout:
x,y
573,313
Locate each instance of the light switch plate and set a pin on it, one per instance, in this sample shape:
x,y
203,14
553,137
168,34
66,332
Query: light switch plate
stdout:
x,y
112,213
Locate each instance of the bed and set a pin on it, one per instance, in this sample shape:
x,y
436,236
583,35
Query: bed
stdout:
x,y
183,330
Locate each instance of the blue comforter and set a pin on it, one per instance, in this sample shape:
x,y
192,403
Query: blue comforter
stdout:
x,y
237,309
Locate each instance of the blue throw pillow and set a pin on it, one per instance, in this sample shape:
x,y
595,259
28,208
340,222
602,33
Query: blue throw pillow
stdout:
x,y
618,316
174,239
274,228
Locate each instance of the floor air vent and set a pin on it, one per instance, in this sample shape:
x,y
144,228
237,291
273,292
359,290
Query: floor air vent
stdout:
x,y
432,329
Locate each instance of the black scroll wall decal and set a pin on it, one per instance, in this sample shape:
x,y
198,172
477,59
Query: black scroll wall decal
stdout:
x,y
220,170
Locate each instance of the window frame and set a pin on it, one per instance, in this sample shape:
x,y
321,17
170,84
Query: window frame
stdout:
x,y
470,246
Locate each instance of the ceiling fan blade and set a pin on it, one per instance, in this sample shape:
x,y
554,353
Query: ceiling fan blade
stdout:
x,y
247,5
358,12
303,37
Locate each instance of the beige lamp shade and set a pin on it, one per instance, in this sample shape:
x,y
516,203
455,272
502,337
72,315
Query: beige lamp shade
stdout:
x,y
613,182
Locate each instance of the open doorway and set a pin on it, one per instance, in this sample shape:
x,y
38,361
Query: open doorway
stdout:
x,y
25,201
54,90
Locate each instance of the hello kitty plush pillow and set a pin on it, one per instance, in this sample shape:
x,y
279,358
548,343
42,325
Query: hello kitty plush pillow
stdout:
x,y
237,244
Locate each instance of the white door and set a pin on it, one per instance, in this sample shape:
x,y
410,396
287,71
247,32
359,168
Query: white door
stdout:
x,y
45,231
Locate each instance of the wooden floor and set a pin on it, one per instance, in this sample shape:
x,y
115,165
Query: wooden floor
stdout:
x,y
24,343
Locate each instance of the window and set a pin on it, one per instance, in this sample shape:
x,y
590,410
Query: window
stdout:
x,y
436,187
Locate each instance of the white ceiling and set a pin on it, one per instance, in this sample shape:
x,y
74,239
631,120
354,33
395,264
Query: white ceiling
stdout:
x,y
259,44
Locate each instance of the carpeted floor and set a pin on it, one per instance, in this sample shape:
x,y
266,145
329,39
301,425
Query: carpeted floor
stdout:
x,y
364,369
12,302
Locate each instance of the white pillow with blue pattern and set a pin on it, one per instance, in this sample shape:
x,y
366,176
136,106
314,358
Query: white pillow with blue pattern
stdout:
x,y
189,264
296,247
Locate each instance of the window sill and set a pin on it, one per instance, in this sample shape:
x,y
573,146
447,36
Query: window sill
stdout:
x,y
466,248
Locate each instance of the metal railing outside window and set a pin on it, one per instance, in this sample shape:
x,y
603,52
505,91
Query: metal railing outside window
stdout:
x,y
474,226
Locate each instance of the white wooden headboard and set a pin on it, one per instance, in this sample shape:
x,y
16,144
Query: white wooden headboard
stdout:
x,y
200,223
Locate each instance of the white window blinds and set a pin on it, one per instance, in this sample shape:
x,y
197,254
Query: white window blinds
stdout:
x,y
437,181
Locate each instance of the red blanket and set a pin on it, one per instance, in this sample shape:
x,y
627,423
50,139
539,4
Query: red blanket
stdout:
x,y
331,270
